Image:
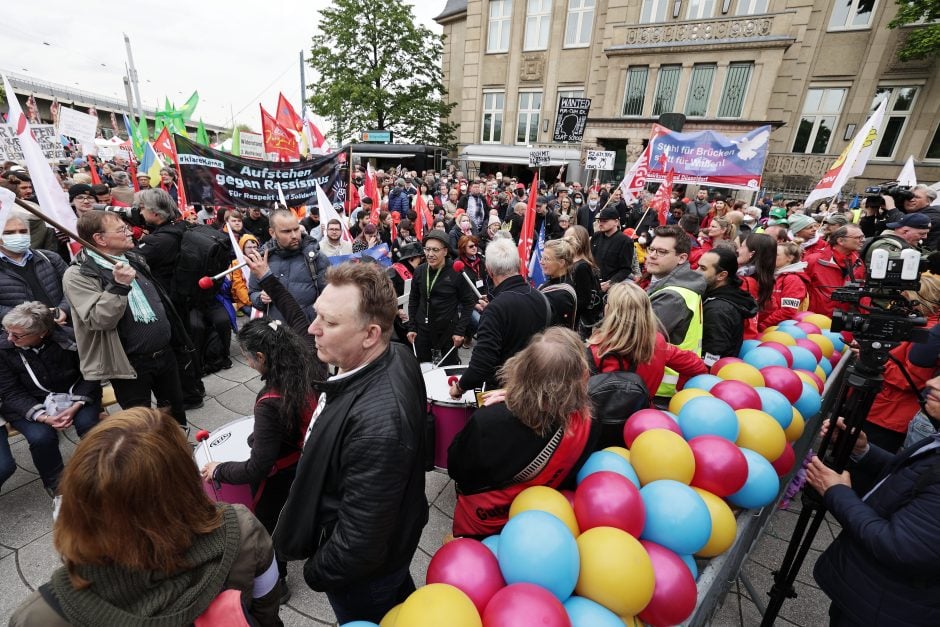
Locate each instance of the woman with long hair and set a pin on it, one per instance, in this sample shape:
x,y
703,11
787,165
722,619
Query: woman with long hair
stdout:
x,y
791,287
718,230
367,238
474,267
140,540
757,261
585,278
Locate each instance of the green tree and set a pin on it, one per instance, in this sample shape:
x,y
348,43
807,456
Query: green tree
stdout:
x,y
923,41
379,70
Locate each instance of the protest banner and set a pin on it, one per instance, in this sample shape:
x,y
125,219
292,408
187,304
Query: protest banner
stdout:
x,y
570,119
539,158
45,134
379,253
81,126
212,177
709,158
251,145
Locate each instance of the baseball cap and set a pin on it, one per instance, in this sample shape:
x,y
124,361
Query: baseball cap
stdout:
x,y
609,213
913,220
837,219
778,213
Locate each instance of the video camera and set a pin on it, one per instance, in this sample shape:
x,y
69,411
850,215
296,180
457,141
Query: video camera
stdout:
x,y
899,192
131,215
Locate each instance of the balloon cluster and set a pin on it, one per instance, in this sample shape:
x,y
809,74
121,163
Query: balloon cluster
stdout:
x,y
620,548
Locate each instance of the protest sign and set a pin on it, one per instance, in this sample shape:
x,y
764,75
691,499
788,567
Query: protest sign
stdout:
x,y
251,145
45,134
599,160
212,177
571,119
539,158
81,126
379,253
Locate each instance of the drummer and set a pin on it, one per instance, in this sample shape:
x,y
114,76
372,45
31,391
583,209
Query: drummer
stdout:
x,y
536,431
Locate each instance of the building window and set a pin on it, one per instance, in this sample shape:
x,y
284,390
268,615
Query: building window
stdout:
x,y
530,105
751,7
666,86
580,22
851,14
569,93
634,96
700,9
933,150
654,11
700,89
497,39
537,22
493,116
820,118
732,97
900,104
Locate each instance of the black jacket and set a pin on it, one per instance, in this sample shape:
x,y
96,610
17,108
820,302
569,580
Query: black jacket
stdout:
x,y
259,228
161,249
451,302
724,310
357,506
14,289
614,256
516,312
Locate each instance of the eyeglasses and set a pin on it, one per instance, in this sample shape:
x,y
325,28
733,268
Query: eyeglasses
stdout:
x,y
85,197
123,231
19,336
469,246
428,249
858,237
659,252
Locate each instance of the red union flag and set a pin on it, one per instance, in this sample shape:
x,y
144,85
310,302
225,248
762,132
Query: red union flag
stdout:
x,y
527,236
278,139
286,116
164,145
663,198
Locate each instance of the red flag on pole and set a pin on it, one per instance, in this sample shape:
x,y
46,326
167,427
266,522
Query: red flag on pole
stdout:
x,y
420,209
93,168
164,145
528,229
286,116
372,191
662,199
278,139
132,170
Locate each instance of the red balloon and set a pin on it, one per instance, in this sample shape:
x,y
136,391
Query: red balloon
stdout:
x,y
809,327
782,349
524,605
811,346
674,594
784,463
608,499
835,359
569,494
737,394
720,466
647,419
784,381
724,361
469,566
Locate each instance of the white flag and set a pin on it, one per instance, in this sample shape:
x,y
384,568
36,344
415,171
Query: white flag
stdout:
x,y
7,200
907,175
240,255
52,200
328,212
280,196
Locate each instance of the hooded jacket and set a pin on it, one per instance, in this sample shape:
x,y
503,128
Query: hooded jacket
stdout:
x,y
668,304
302,271
791,287
724,312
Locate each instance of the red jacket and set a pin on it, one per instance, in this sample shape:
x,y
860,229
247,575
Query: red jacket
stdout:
x,y
819,248
789,296
828,272
686,363
749,285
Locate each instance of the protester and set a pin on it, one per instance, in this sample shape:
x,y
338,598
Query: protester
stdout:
x,y
841,264
727,307
699,206
556,262
805,229
401,274
42,387
29,274
474,267
536,431
239,290
585,277
256,223
719,230
166,552
82,199
791,287
757,262
368,238
333,244
234,223
357,505
906,233
168,184
404,237
612,250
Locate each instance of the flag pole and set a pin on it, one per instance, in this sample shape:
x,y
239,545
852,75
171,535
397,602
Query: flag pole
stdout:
x,y
59,227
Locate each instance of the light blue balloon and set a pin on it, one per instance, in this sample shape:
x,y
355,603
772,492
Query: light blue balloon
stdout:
x,y
793,331
764,356
690,562
672,415
775,404
747,346
809,402
702,382
803,359
676,516
492,543
586,613
826,365
707,415
536,547
836,338
762,485
606,460
786,323
359,623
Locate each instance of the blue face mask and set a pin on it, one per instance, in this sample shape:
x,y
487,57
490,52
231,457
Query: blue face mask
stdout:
x,y
16,242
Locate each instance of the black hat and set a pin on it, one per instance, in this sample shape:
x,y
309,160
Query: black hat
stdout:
x,y
541,200
609,213
913,220
410,251
79,189
439,235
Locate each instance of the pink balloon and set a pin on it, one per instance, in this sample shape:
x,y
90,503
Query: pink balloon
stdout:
x,y
721,363
798,316
569,494
819,383
524,605
608,499
811,346
674,594
809,327
784,463
835,359
469,566
720,466
782,349
647,419
784,381
737,394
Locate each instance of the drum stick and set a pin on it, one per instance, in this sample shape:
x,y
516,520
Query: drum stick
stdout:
x,y
446,355
415,349
201,436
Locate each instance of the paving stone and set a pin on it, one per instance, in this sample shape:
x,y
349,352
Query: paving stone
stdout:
x,y
439,525
782,523
26,514
13,590
239,400
255,384
37,560
419,567
811,607
769,552
434,483
210,416
239,372
293,618
305,600
21,477
215,385
729,612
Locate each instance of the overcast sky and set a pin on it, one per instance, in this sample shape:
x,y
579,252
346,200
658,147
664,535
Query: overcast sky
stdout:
x,y
234,53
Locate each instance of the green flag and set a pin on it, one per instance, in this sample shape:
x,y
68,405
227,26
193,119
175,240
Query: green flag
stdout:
x,y
189,107
141,136
201,136
236,142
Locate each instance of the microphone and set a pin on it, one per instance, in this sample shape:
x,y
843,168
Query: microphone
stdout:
x,y
207,282
458,267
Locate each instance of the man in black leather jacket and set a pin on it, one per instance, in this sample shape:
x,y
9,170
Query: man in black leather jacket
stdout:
x,y
357,505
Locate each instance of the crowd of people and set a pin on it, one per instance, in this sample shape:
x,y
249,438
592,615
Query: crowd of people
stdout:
x,y
340,443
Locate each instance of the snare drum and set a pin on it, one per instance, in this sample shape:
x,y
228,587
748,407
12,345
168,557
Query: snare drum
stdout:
x,y
228,443
450,415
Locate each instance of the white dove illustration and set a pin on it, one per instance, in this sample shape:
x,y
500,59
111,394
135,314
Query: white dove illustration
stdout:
x,y
747,146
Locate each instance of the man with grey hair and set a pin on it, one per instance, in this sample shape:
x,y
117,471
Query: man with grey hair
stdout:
x,y
515,313
161,246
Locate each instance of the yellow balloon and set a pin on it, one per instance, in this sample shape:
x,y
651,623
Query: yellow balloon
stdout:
x,y
619,450
819,372
823,342
758,431
684,396
740,371
795,430
771,329
724,525
438,604
821,321
805,376
632,621
616,571
662,454
778,336
391,618
548,500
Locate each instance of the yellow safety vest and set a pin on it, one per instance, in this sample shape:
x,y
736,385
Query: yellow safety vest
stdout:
x,y
692,340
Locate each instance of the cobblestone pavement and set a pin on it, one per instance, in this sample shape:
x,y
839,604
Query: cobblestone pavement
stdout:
x,y
27,557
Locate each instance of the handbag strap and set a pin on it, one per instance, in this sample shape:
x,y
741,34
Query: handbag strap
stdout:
x,y
32,375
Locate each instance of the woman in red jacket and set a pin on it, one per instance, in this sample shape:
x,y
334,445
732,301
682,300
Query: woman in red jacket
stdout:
x,y
631,335
791,287
719,230
757,260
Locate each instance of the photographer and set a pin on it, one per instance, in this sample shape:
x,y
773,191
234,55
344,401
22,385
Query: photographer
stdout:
x,y
918,199
905,233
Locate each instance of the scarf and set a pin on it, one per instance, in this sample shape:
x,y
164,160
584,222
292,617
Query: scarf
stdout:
x,y
140,308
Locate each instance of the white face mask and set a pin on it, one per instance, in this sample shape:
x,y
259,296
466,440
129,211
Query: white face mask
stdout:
x,y
592,203
642,241
16,242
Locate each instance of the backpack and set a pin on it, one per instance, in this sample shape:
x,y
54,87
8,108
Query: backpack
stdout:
x,y
615,397
204,251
